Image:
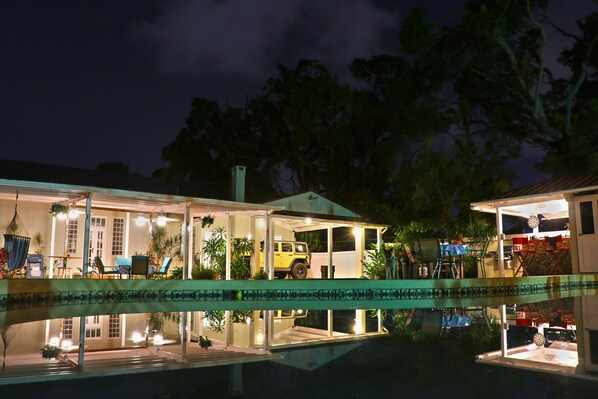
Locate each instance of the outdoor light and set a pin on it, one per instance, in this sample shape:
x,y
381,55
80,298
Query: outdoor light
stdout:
x,y
61,216
261,223
158,339
66,344
140,221
249,236
161,221
73,214
308,221
259,338
54,341
137,337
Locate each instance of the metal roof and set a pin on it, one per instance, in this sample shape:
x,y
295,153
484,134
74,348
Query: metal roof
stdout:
x,y
124,192
546,198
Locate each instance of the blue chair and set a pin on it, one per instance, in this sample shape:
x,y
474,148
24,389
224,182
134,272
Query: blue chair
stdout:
x,y
163,271
103,269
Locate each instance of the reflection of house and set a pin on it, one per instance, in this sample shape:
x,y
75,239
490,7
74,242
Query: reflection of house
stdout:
x,y
572,198
113,215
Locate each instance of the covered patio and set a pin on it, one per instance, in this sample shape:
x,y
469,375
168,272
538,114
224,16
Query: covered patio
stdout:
x,y
572,200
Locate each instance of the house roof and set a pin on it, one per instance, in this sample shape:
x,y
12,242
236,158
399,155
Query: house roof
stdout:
x,y
310,211
312,204
119,191
546,198
30,171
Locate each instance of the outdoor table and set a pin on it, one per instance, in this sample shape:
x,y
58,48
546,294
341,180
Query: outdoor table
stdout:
x,y
455,253
63,270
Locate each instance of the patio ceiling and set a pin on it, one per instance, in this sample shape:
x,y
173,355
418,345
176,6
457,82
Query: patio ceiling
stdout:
x,y
303,224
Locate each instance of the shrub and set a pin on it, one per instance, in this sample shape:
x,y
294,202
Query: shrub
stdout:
x,y
375,267
260,275
201,273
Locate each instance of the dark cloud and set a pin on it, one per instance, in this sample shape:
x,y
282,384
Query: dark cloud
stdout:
x,y
246,39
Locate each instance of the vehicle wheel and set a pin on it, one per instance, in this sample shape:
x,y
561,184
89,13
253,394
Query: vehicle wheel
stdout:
x,y
280,275
299,271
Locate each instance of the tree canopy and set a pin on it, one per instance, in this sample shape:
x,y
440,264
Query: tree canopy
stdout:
x,y
416,136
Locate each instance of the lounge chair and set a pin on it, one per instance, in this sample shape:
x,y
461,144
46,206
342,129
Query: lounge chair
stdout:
x,y
105,270
140,265
163,271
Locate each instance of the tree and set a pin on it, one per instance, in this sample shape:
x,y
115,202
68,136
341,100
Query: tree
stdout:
x,y
496,62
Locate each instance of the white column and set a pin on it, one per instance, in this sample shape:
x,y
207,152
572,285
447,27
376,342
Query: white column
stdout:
x,y
503,330
359,250
86,236
187,258
267,246
330,263
271,247
229,234
127,233
52,245
501,238
255,258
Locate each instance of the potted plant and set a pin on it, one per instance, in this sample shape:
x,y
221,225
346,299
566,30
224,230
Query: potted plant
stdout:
x,y
50,351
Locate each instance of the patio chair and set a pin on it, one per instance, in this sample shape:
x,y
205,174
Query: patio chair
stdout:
x,y
103,270
429,251
140,265
163,271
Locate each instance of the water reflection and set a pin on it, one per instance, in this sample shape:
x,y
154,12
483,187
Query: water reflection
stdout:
x,y
401,348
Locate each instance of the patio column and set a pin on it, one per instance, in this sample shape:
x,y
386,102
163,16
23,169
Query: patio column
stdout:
x,y
229,234
81,358
266,249
271,247
330,263
503,330
187,259
52,245
501,238
255,257
127,233
86,236
359,250
573,233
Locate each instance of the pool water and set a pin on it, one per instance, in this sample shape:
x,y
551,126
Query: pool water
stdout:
x,y
342,353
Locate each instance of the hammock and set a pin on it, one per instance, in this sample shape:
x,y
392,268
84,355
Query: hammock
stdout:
x,y
16,242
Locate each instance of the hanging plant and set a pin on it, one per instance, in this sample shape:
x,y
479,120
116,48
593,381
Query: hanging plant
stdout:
x,y
55,209
50,351
207,221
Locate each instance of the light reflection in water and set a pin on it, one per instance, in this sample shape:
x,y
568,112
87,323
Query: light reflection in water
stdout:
x,y
302,339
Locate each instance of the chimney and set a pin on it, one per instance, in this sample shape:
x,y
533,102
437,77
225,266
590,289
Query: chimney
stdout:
x,y
237,192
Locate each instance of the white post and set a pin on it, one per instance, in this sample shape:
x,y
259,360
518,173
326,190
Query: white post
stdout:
x,y
229,234
501,238
86,236
52,245
271,248
266,251
330,263
127,233
186,231
503,330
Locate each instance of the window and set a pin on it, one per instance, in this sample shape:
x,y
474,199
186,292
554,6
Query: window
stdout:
x,y
114,326
93,327
587,217
118,234
73,230
286,247
67,328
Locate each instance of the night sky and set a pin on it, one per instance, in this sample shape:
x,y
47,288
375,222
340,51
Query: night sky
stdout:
x,y
85,82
